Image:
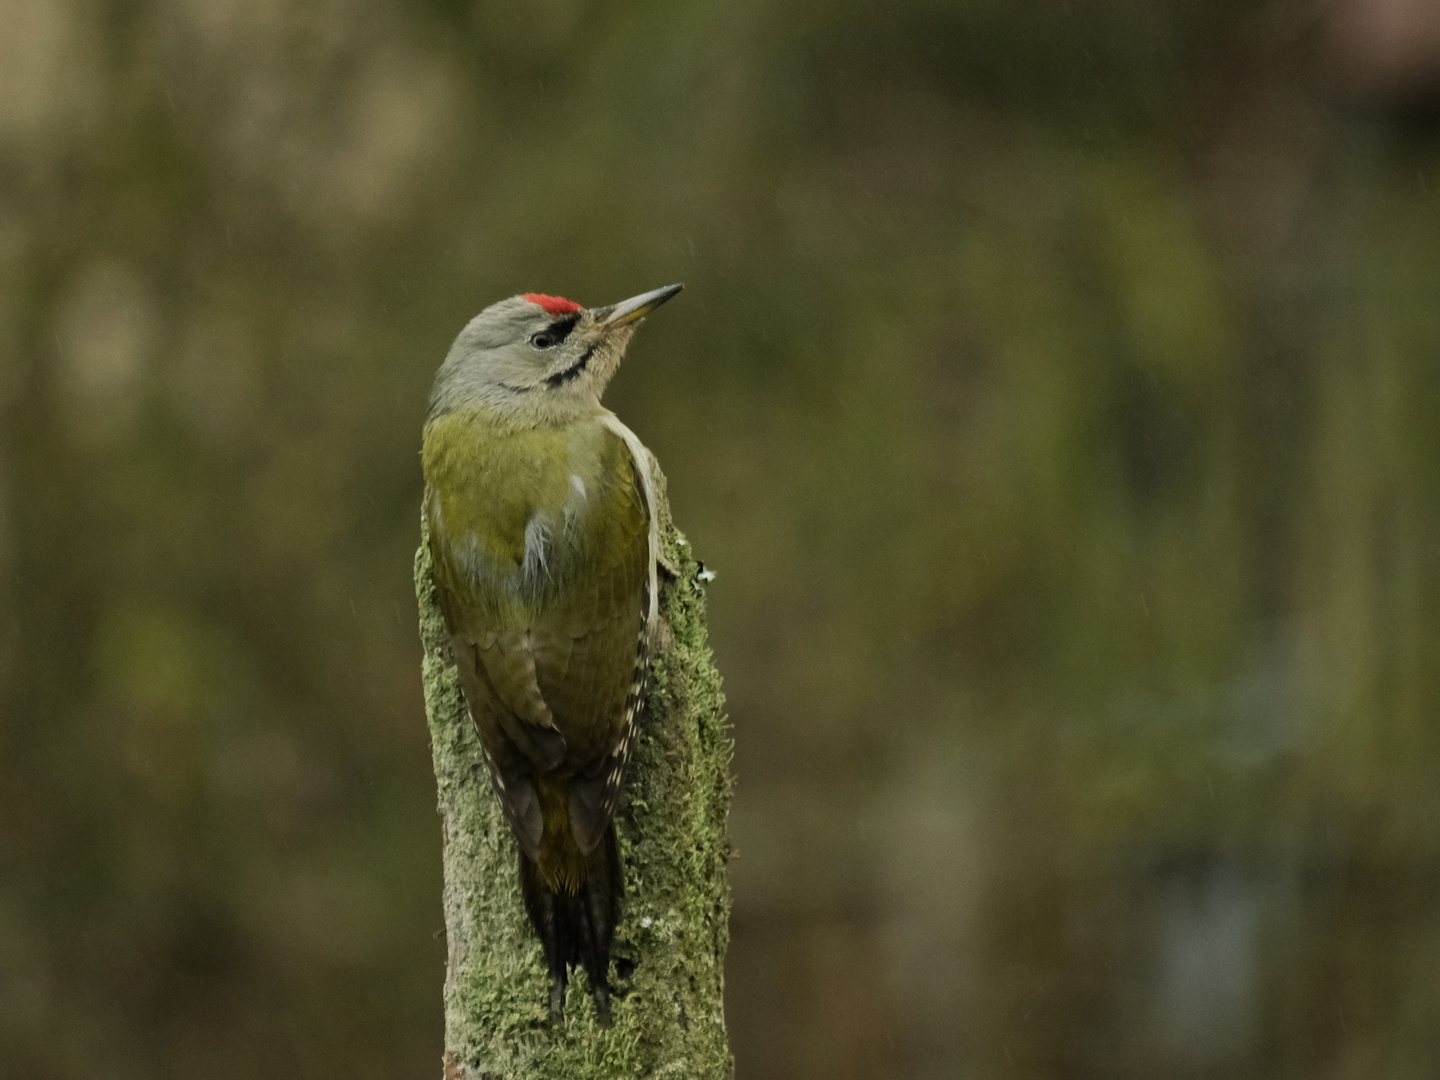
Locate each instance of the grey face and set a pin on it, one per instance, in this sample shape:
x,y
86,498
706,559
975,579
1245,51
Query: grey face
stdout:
x,y
521,359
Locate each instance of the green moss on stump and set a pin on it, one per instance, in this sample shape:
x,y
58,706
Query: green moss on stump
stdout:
x,y
675,923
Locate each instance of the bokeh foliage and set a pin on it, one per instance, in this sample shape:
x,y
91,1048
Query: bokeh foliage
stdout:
x,y
1054,391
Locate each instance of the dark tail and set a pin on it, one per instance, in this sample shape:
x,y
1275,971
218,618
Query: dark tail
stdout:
x,y
577,930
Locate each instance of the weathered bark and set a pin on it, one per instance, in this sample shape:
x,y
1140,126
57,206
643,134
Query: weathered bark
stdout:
x,y
674,929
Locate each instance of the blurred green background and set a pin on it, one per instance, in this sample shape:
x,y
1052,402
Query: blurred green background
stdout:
x,y
1054,391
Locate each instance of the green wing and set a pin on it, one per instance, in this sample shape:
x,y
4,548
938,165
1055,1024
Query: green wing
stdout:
x,y
549,630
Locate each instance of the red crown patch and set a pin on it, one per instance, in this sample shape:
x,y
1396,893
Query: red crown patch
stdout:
x,y
555,305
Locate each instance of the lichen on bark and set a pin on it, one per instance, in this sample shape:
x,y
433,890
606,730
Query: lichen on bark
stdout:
x,y
674,929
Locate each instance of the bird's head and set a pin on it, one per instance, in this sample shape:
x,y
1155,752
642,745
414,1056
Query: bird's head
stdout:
x,y
539,359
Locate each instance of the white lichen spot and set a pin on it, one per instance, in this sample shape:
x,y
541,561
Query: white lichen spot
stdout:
x,y
645,922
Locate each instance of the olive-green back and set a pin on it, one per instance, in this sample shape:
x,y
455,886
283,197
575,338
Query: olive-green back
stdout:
x,y
540,543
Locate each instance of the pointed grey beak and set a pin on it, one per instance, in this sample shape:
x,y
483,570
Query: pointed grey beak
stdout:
x,y
627,311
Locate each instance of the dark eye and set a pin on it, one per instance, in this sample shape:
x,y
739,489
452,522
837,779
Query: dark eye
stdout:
x,y
543,340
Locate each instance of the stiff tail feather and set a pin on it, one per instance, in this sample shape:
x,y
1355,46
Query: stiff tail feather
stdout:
x,y
576,930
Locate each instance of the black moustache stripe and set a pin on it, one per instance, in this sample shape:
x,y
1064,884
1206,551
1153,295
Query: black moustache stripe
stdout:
x,y
560,378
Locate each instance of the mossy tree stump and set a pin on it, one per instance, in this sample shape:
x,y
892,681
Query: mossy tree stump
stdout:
x,y
670,945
